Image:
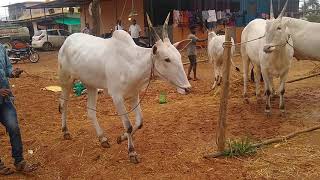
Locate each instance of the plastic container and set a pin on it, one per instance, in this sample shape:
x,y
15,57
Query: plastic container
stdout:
x,y
163,98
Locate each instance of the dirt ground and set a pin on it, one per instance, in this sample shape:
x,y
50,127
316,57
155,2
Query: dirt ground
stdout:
x,y
175,136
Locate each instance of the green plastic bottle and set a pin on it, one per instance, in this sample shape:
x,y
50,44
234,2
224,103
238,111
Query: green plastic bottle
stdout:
x,y
162,98
78,87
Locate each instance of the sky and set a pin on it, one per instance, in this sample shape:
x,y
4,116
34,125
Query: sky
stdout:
x,y
3,11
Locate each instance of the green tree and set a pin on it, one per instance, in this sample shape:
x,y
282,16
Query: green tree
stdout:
x,y
311,10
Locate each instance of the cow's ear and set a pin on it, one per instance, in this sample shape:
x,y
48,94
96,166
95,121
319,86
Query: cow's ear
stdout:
x,y
154,50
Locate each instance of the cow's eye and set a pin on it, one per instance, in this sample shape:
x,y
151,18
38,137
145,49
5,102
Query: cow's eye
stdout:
x,y
278,28
167,60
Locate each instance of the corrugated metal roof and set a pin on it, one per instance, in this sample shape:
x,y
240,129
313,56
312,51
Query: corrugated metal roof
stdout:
x,y
60,4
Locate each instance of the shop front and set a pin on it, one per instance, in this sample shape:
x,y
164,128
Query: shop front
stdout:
x,y
204,14
113,10
213,14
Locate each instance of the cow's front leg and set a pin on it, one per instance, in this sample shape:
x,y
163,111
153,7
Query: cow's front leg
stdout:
x,y
92,105
139,119
268,90
282,91
121,109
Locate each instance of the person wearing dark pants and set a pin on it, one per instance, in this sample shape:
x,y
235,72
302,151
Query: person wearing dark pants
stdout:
x,y
135,32
136,40
8,116
192,53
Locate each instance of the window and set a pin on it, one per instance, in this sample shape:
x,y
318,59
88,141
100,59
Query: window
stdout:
x,y
38,33
64,33
53,33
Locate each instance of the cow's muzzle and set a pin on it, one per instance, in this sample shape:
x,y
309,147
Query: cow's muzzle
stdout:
x,y
184,91
268,49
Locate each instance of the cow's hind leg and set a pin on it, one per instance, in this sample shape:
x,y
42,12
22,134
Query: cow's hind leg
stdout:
x,y
121,109
92,115
245,61
257,80
139,119
66,85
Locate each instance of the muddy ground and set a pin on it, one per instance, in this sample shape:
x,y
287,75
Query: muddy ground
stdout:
x,y
175,135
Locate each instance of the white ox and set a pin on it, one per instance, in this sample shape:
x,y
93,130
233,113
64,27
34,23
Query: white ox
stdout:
x,y
215,53
305,38
120,67
271,55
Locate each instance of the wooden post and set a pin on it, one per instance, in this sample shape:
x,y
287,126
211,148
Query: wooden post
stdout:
x,y
96,17
225,92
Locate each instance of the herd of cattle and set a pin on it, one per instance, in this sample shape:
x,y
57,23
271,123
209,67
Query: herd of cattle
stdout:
x,y
124,69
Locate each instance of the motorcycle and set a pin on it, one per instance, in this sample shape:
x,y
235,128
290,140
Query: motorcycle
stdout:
x,y
22,54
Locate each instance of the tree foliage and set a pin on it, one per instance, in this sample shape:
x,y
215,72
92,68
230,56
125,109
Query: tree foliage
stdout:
x,y
311,10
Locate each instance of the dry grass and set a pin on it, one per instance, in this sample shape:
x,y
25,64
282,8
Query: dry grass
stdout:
x,y
316,68
289,160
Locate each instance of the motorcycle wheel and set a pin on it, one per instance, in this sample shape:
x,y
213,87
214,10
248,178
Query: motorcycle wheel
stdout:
x,y
13,61
34,57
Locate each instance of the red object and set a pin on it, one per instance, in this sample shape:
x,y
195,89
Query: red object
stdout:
x,y
16,44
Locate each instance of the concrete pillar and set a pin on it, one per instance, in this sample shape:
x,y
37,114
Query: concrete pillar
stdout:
x,y
35,26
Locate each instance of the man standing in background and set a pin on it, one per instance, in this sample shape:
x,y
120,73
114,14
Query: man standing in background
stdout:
x,y
118,26
135,31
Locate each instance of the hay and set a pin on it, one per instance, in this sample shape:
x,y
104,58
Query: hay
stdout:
x,y
291,160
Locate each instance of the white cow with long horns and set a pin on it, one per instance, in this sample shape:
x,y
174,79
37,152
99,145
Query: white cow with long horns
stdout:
x,y
120,67
306,41
271,55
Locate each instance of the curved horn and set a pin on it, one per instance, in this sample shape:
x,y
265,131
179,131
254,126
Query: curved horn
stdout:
x,y
153,30
165,28
283,10
271,10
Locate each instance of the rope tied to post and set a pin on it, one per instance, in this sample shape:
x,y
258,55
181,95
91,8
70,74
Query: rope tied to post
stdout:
x,y
237,44
227,44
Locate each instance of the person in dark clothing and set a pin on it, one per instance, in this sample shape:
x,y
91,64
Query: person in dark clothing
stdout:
x,y
8,116
192,52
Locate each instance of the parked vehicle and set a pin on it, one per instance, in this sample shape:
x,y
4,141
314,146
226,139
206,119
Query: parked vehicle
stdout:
x,y
22,51
10,32
49,39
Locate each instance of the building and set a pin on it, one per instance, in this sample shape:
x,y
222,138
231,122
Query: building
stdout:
x,y
27,14
240,12
243,10
18,10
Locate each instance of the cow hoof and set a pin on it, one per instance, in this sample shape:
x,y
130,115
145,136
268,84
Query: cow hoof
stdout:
x,y
259,100
283,114
67,136
119,141
60,109
268,113
105,144
134,158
